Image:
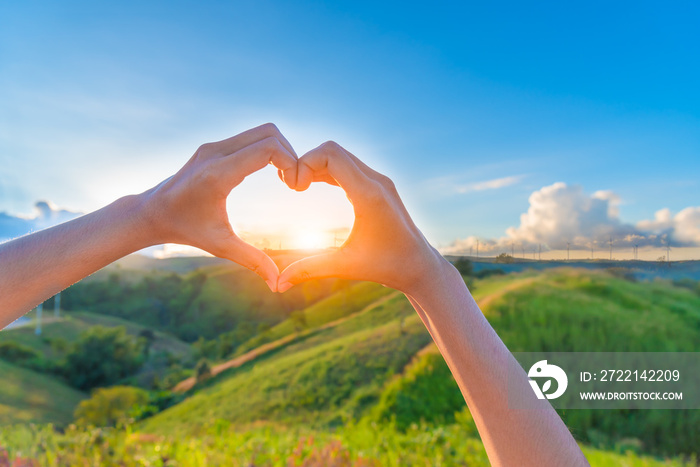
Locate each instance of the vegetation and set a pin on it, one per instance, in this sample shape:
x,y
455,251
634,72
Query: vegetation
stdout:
x,y
350,374
203,370
109,406
204,303
425,392
102,357
504,258
464,266
30,397
361,445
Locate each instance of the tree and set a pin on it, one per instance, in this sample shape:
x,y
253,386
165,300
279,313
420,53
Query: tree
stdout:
x,y
504,258
464,266
298,319
109,406
202,371
101,357
149,338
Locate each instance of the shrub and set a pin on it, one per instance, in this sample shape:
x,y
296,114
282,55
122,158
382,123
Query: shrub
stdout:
x,y
484,273
464,266
14,352
110,406
24,356
203,370
101,357
504,258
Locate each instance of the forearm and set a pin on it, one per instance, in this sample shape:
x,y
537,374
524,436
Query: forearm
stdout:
x,y
37,266
482,367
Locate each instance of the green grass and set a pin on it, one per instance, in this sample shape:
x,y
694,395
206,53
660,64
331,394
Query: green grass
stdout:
x,y
379,445
338,305
356,391
29,397
572,310
325,378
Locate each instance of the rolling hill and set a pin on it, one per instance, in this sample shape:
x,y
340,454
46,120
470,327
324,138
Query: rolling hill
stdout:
x,y
29,397
354,375
380,364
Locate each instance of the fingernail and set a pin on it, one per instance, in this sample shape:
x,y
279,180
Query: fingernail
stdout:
x,y
284,286
272,285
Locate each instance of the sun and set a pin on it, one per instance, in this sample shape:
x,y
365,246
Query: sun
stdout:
x,y
309,239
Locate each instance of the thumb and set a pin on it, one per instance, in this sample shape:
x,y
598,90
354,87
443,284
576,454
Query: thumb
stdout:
x,y
313,267
250,257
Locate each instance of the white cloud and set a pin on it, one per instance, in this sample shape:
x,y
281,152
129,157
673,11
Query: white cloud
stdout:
x,y
45,215
489,184
455,184
684,227
562,214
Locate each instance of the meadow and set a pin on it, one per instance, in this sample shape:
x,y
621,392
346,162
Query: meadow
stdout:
x,y
340,373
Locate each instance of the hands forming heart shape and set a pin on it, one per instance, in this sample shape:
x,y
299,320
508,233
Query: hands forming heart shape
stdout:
x,y
384,245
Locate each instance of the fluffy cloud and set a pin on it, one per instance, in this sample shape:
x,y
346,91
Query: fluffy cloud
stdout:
x,y
45,215
562,214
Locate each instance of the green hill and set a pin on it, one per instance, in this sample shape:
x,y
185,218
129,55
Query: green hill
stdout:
x,y
357,379
58,333
29,397
70,325
571,310
369,368
324,377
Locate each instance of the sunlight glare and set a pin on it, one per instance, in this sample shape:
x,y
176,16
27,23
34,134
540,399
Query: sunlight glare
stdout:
x,y
308,239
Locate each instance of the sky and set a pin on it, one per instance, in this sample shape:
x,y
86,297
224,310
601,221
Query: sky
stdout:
x,y
514,124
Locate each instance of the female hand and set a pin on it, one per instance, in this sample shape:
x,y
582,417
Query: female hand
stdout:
x,y
190,207
384,245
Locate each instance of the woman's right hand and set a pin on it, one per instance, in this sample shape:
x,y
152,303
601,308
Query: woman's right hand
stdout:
x,y
384,245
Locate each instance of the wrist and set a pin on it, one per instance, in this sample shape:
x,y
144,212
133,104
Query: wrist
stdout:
x,y
435,272
140,221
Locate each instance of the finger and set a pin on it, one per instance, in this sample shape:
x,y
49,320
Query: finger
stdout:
x,y
325,178
235,168
250,257
369,171
238,142
313,267
329,158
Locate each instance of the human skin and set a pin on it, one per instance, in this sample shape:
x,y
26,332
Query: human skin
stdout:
x,y
384,246
188,208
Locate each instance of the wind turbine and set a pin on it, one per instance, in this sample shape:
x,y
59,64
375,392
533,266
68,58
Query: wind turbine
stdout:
x,y
57,305
39,310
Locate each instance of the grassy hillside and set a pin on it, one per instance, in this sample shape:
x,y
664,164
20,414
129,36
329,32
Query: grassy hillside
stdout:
x,y
29,397
570,310
58,335
360,384
342,303
70,325
207,302
323,378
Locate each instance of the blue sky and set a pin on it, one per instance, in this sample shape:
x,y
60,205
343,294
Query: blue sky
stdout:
x,y
472,109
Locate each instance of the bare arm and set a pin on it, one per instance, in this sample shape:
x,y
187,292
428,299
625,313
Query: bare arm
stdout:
x,y
386,247
187,208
